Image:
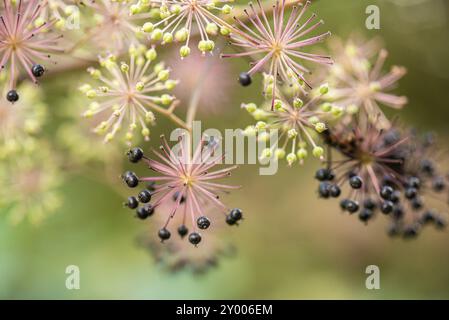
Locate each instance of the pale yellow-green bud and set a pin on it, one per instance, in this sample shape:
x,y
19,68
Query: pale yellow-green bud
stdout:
x,y
124,67
278,105
302,154
159,67
134,9
132,126
266,153
318,152
95,73
103,89
175,9
166,99
116,113
167,38
352,109
250,131
279,153
149,116
291,158
297,103
263,136
156,34
151,54
91,94
60,24
226,9
181,35
88,114
184,51
260,125
148,27
224,31
375,86
170,84
163,75
140,86
39,22
250,107
320,127
164,12
212,28
259,114
314,120
145,132
292,133
326,107
109,137
84,88
337,111
324,88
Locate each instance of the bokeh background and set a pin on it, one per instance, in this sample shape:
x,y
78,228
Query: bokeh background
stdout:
x,y
291,245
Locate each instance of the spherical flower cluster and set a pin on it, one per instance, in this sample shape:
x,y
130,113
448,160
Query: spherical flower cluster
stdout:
x,y
296,124
277,48
374,165
114,28
31,185
25,41
20,124
358,85
186,187
178,19
127,94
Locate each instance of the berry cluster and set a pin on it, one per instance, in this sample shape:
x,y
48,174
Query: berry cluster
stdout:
x,y
185,185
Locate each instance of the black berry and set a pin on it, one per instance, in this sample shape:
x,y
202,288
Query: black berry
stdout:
x,y
164,234
144,196
355,182
182,231
245,79
135,155
37,70
132,203
194,238
203,222
12,96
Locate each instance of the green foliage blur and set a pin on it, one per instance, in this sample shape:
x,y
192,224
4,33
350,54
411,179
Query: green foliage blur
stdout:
x,y
291,245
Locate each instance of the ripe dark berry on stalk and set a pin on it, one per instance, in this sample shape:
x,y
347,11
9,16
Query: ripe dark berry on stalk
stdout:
x,y
334,191
365,214
352,206
438,184
386,192
398,212
355,182
135,155
183,231
37,70
417,203
12,96
164,234
236,214
386,207
414,182
410,193
144,212
132,202
194,238
203,222
245,79
322,174
369,204
151,186
344,204
427,166
395,197
323,189
411,231
439,222
176,195
230,221
144,196
130,179
427,217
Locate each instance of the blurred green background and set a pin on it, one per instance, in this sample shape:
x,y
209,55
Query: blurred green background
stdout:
x,y
291,245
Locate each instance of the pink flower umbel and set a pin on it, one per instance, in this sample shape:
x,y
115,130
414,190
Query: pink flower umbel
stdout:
x,y
277,48
187,183
115,29
25,39
362,86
